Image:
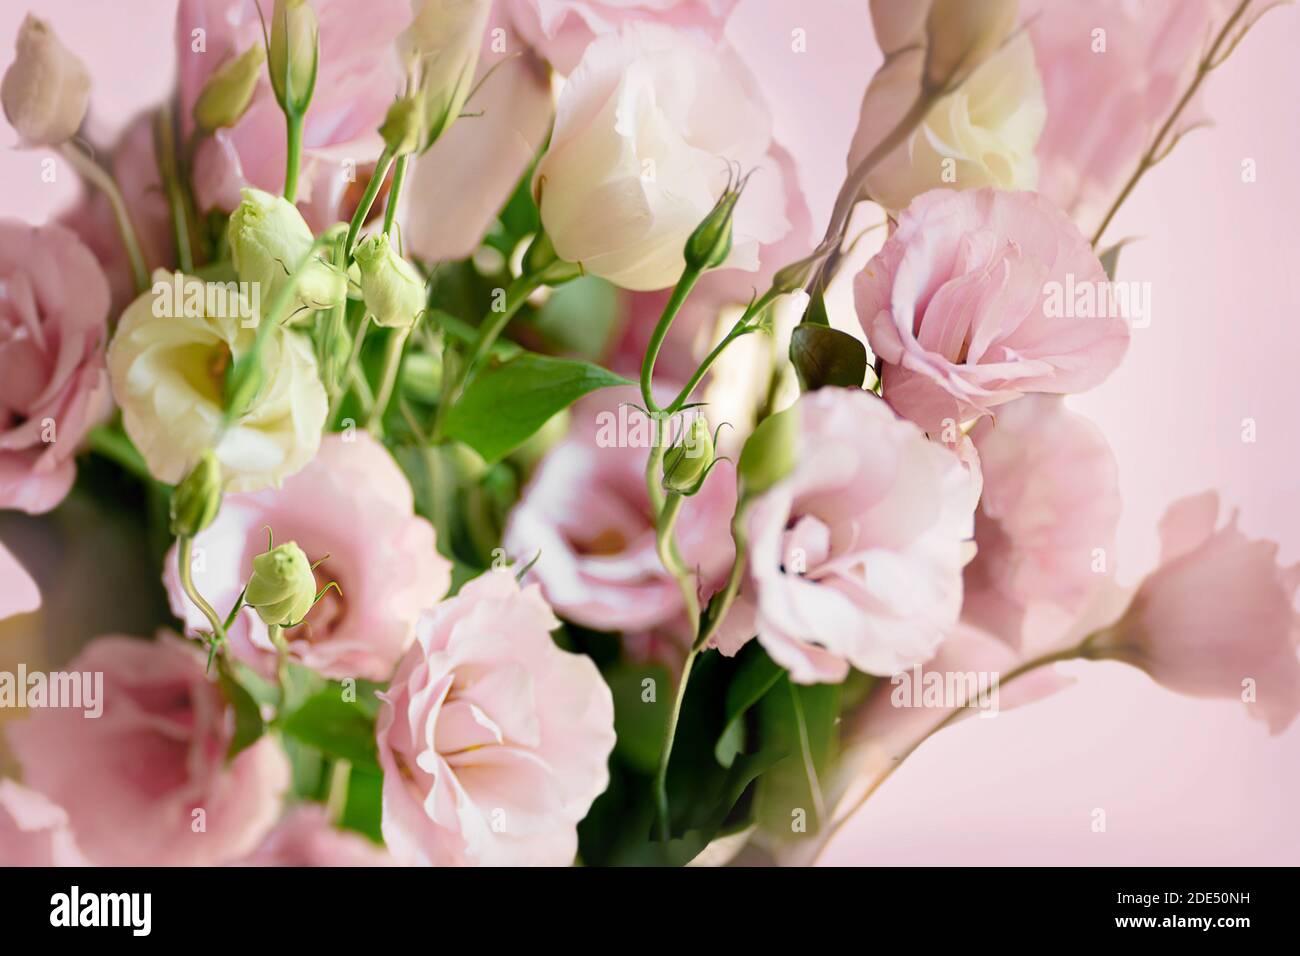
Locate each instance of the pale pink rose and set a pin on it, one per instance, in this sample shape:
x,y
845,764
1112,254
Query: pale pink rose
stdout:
x,y
1046,522
33,831
587,511
18,592
1218,612
305,837
1111,71
974,301
133,780
135,167
359,77
855,557
493,741
648,133
53,385
353,507
561,30
454,191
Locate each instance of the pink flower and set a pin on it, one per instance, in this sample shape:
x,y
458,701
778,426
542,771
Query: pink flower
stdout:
x,y
148,782
855,557
562,29
33,831
358,80
493,741
1217,618
135,167
981,296
587,512
352,506
53,386
1111,72
18,592
1046,521
305,837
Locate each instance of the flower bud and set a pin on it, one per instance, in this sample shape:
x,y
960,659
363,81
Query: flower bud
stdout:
x,y
46,89
282,587
228,91
687,463
293,53
268,240
962,34
443,42
710,243
197,498
770,451
823,356
392,288
402,126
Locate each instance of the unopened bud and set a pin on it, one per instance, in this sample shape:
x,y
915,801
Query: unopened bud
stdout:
x,y
443,43
391,287
282,587
227,93
269,239
293,53
46,89
197,498
710,243
402,126
687,463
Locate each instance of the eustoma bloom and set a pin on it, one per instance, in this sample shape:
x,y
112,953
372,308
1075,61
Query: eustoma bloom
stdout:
x,y
644,132
305,837
1047,516
587,513
168,362
53,388
957,305
855,557
34,831
382,556
492,739
1217,618
148,782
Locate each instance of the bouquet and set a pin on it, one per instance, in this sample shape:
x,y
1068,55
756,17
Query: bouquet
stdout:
x,y
543,449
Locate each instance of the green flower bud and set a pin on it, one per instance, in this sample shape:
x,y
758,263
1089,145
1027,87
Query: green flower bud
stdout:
x,y
282,588
197,498
393,290
268,239
228,91
710,243
442,44
688,461
293,53
403,126
769,453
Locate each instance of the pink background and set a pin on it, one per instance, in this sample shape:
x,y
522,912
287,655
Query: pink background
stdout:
x,y
1181,781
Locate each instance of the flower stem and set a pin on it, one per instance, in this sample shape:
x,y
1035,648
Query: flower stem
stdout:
x,y
392,362
368,199
293,154
185,562
399,176
97,176
680,291
1157,149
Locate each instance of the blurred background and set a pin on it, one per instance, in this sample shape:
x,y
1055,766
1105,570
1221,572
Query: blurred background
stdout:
x,y
1181,781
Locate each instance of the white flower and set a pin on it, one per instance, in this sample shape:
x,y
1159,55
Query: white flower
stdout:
x,y
644,132
167,364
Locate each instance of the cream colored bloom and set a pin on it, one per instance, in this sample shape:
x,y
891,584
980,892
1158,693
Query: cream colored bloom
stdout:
x,y
167,364
982,134
46,89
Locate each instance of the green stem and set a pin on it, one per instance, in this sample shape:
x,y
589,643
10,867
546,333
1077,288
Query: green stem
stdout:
x,y
742,327
722,601
368,199
185,562
399,176
340,389
165,155
97,176
392,363
680,291
293,155
670,733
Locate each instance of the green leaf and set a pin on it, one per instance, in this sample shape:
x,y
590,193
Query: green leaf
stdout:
x,y
334,726
502,406
639,723
755,676
249,725
799,722
364,808
825,356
